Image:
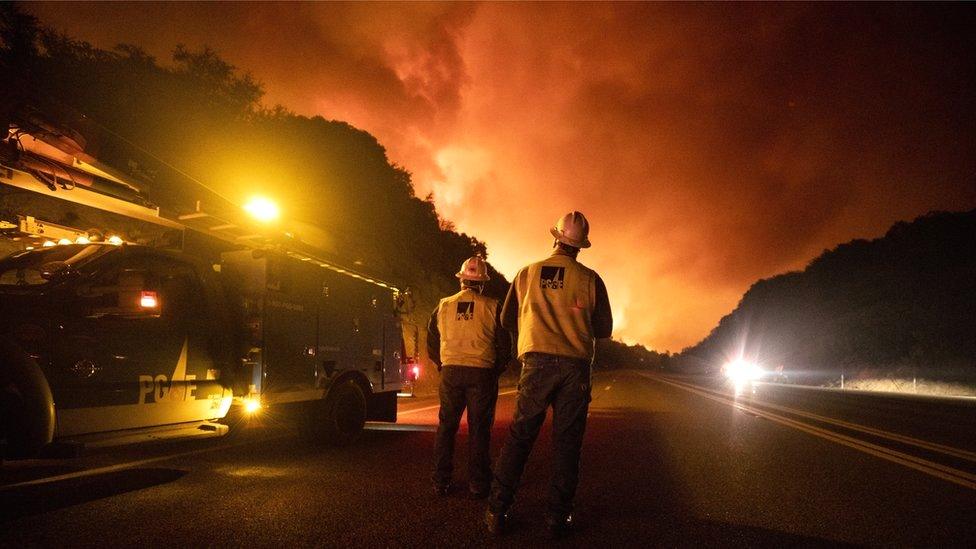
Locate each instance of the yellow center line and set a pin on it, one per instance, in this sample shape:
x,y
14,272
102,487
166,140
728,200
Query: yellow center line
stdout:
x,y
956,476
935,447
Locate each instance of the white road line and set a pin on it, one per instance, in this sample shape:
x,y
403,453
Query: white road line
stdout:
x,y
141,462
399,427
130,465
436,406
950,474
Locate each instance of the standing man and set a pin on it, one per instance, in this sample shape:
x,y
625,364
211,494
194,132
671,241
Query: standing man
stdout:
x,y
465,335
558,308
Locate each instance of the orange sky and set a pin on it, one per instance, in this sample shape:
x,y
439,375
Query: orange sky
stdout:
x,y
710,145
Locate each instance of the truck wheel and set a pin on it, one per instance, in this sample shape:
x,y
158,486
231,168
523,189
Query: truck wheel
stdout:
x,y
345,414
26,404
10,436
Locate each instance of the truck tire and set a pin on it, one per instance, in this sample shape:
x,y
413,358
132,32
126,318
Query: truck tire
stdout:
x,y
11,437
340,418
27,420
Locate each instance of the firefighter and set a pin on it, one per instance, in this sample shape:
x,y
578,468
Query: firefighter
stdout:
x,y
467,343
558,308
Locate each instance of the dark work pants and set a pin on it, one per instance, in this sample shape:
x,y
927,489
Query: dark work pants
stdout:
x,y
477,390
564,384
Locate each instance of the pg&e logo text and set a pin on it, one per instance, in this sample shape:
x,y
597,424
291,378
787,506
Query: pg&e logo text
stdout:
x,y
465,310
552,278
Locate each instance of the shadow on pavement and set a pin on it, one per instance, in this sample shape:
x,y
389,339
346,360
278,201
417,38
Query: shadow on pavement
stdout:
x,y
629,496
31,500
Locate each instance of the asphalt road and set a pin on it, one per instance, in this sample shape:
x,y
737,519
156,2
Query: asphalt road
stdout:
x,y
665,463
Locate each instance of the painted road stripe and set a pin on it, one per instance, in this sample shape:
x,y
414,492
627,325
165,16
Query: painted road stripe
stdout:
x,y
895,437
961,478
141,462
436,406
131,464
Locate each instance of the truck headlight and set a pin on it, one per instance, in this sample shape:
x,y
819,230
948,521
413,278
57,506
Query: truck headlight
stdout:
x,y
741,370
252,405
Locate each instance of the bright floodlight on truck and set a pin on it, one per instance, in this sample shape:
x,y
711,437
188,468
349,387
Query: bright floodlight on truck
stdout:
x,y
262,209
252,405
741,370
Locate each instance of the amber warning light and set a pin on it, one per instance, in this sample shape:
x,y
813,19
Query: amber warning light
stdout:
x,y
148,300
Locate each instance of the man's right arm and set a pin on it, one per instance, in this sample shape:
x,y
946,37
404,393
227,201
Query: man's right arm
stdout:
x,y
503,344
510,314
434,339
510,308
602,317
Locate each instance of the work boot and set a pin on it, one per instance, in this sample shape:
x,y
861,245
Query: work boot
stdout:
x,y
559,527
495,522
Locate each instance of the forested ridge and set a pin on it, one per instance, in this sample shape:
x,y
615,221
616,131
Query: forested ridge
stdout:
x,y
899,306
195,120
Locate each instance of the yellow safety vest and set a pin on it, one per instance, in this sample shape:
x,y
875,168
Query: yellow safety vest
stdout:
x,y
466,321
556,298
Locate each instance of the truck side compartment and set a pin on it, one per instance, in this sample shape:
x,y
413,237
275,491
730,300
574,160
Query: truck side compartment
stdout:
x,y
307,327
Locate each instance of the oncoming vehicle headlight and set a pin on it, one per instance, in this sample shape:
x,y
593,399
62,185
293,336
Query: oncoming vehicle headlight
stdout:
x,y
740,370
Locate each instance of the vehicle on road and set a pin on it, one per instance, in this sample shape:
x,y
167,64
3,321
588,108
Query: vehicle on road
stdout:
x,y
119,338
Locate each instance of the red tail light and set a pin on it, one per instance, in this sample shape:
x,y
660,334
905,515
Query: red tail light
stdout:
x,y
415,372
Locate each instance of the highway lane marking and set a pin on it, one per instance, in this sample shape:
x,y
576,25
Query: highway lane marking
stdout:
x,y
435,406
147,461
400,427
935,447
131,464
919,396
961,478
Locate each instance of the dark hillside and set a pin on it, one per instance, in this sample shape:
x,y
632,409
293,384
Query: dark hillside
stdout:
x,y
903,305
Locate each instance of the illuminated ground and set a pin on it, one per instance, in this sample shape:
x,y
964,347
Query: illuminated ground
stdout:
x,y
662,465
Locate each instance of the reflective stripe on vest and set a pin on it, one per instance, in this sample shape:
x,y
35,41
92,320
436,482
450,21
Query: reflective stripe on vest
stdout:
x,y
556,300
466,321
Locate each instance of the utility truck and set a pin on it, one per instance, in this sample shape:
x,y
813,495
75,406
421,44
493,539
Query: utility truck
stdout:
x,y
103,338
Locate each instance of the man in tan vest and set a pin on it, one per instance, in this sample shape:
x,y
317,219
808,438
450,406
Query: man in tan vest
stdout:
x,y
559,308
471,349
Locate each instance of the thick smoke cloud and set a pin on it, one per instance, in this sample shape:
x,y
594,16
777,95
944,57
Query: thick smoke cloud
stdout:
x,y
710,145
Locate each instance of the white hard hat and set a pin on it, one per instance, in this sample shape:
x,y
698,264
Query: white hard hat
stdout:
x,y
572,229
474,268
